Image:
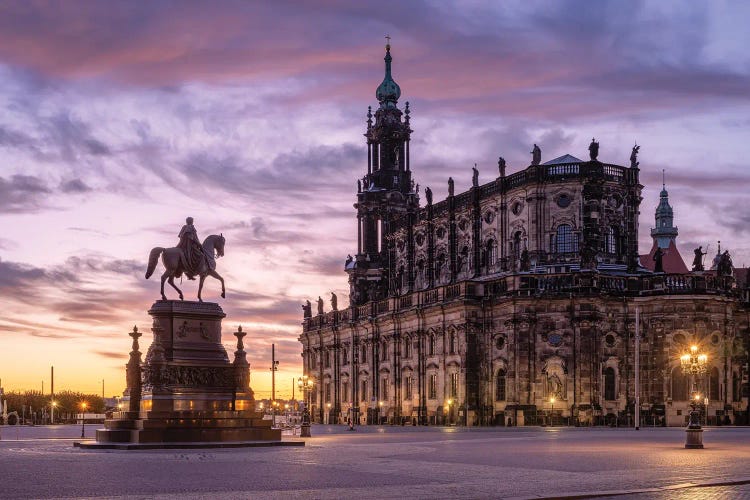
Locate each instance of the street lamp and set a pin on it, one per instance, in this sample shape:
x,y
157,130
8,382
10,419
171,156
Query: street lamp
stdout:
x,y
83,419
552,411
694,364
380,412
305,385
450,415
52,413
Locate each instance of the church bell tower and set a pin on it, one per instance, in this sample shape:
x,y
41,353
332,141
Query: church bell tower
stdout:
x,y
384,195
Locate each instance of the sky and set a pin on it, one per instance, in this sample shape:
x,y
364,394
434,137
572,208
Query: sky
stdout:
x,y
120,119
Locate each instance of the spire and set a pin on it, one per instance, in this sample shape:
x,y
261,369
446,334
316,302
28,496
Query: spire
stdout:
x,y
388,91
664,232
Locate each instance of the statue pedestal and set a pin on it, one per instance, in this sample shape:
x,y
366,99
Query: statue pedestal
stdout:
x,y
189,391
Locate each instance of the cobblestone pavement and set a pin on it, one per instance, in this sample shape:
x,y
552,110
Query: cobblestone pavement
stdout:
x,y
381,462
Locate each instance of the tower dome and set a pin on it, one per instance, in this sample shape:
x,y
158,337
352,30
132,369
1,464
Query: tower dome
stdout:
x,y
388,91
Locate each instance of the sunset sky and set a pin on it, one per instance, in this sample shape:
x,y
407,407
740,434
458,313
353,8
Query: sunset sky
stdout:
x,y
119,119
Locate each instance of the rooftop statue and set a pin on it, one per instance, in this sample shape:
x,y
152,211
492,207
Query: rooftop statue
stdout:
x,y
189,257
536,155
501,166
451,187
474,176
428,195
658,260
634,157
698,259
307,309
334,301
593,149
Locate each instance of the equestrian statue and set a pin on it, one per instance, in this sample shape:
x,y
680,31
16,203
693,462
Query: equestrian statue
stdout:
x,y
189,257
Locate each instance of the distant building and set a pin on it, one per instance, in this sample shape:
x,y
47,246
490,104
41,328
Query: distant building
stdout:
x,y
514,302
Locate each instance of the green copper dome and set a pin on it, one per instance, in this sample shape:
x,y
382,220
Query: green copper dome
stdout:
x,y
388,91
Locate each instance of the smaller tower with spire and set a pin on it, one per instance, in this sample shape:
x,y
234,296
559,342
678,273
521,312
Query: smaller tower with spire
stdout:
x,y
665,232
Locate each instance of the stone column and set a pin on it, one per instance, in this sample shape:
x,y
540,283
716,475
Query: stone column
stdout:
x,y
133,373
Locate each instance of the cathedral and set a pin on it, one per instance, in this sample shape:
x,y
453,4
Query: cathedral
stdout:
x,y
515,302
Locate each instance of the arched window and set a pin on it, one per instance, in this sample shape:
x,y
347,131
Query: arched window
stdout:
x,y
384,351
610,240
344,357
565,239
713,384
452,345
490,255
500,385
609,384
680,385
431,349
407,347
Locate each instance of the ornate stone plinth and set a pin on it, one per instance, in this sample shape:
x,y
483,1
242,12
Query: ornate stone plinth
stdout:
x,y
188,391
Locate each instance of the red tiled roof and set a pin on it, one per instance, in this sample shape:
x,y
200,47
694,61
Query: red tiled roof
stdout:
x,y
671,262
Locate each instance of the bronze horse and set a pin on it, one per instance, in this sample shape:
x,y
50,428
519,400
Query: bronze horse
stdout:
x,y
172,258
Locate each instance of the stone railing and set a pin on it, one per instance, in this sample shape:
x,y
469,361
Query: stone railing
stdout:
x,y
535,285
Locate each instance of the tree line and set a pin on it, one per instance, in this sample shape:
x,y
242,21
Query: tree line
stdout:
x,y
67,404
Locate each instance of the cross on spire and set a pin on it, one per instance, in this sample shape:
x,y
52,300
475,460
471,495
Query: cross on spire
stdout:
x,y
388,43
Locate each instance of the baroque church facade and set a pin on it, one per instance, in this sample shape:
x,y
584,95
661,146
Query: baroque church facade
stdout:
x,y
514,303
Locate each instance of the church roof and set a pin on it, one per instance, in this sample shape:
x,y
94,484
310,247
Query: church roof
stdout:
x,y
563,159
671,262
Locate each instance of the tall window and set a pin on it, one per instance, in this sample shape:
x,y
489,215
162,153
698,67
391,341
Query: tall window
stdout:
x,y
610,240
384,389
515,247
363,357
384,351
500,385
454,385
565,241
328,359
490,253
407,348
328,392
452,345
680,385
432,345
345,391
312,360
609,384
407,388
432,387
713,384
363,395
344,356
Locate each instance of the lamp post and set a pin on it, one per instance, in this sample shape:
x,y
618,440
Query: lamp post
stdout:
x,y
52,412
380,412
450,415
694,364
552,411
305,384
83,419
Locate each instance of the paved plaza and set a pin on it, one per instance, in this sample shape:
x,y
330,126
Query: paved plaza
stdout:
x,y
389,462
